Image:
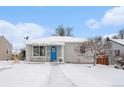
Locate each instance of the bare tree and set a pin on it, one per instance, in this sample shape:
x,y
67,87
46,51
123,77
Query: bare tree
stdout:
x,y
63,31
79,51
93,47
121,34
115,37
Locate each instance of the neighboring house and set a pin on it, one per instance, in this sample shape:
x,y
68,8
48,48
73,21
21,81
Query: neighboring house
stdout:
x,y
117,49
5,49
16,54
55,48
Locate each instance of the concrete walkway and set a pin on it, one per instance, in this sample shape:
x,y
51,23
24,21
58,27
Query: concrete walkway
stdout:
x,y
58,79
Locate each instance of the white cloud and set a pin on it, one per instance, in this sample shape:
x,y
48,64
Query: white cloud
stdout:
x,y
92,23
114,16
15,33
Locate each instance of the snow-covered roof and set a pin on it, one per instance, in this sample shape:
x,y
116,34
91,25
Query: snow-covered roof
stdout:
x,y
16,51
120,41
57,40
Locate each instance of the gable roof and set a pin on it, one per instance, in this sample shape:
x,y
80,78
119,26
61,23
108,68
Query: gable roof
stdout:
x,y
118,41
16,51
57,40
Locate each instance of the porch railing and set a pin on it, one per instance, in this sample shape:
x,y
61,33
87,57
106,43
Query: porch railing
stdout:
x,y
39,59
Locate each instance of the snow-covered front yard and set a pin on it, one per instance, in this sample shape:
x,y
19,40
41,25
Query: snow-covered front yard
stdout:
x,y
61,75
24,75
90,76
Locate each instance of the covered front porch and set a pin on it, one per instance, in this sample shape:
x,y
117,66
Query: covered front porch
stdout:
x,y
45,52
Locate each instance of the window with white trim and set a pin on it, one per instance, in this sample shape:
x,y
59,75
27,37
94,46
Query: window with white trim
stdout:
x,y
38,50
117,52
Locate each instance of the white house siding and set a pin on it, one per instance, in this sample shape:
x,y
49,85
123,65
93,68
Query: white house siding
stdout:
x,y
115,46
59,52
28,52
48,53
70,55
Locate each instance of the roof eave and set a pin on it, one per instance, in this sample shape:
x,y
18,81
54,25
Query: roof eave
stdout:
x,y
116,42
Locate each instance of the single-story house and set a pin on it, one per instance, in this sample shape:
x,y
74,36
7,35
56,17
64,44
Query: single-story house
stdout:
x,y
5,49
53,49
117,49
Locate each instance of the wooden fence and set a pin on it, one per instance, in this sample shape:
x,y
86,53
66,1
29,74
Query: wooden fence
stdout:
x,y
102,59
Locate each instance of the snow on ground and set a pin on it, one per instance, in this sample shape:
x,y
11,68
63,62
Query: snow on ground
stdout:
x,y
58,79
61,75
90,76
24,75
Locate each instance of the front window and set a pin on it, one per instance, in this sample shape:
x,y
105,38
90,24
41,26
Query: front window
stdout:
x,y
38,50
42,50
117,52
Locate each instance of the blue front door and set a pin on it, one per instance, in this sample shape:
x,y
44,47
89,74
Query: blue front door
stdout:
x,y
53,53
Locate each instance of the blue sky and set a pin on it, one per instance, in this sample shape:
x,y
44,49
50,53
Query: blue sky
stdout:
x,y
79,18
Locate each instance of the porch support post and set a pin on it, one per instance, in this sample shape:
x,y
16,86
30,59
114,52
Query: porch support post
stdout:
x,y
46,52
62,53
26,54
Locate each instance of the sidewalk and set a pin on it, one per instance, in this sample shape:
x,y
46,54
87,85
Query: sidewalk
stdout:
x,y
58,79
